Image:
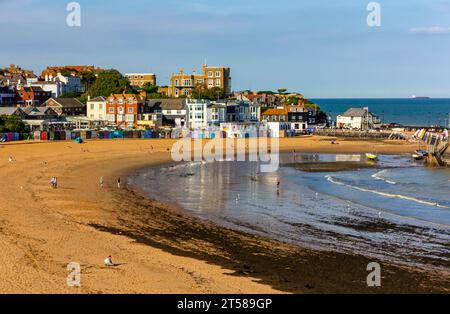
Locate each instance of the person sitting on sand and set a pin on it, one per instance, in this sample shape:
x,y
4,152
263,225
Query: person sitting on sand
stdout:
x,y
11,159
108,261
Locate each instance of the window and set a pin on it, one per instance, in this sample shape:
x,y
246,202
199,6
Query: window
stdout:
x,y
210,73
176,83
200,82
111,110
100,106
92,106
129,118
130,110
210,83
110,117
217,82
217,73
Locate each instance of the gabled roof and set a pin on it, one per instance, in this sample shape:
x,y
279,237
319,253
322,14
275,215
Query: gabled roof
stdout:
x,y
9,110
32,111
97,99
66,102
167,104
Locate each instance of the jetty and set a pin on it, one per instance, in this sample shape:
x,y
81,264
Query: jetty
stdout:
x,y
436,148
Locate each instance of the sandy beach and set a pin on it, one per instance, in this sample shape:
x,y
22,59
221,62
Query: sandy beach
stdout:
x,y
157,248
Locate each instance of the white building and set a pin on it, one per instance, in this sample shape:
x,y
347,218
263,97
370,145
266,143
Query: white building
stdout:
x,y
197,113
59,84
216,114
96,109
279,129
358,119
56,88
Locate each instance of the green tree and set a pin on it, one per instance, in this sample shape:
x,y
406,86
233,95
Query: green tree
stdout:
x,y
282,90
70,95
87,79
201,92
108,82
149,88
12,124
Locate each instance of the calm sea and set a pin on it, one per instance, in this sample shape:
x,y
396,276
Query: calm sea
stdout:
x,y
404,111
400,212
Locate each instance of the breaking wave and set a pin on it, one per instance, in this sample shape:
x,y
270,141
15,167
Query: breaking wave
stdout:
x,y
404,197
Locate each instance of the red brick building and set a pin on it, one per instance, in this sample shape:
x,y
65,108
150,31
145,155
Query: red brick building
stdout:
x,y
124,110
32,96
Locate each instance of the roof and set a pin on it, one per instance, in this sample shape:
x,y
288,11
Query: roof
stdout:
x,y
37,110
8,110
66,102
275,111
167,104
356,112
137,97
99,98
34,89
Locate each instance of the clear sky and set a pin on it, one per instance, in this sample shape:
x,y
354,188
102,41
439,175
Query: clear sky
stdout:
x,y
322,48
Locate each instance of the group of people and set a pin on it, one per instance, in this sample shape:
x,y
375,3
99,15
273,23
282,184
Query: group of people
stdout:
x,y
101,182
54,182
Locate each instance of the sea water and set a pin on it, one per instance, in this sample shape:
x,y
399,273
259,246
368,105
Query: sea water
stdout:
x,y
422,112
399,211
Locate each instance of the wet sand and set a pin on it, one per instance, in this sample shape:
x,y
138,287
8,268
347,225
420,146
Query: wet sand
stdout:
x,y
332,166
158,248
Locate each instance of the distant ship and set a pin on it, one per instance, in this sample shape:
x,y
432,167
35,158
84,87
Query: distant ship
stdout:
x,y
420,97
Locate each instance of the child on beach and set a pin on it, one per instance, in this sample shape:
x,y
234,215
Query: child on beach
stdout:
x,y
118,183
108,261
101,182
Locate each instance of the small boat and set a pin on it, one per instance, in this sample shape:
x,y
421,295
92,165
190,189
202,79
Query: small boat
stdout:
x,y
371,157
419,154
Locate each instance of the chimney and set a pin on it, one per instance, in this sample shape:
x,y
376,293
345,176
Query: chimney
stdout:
x,y
89,97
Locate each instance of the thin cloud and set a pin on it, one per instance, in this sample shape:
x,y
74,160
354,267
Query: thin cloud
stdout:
x,y
430,30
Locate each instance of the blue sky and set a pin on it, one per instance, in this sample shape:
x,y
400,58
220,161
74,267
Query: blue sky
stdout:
x,y
322,48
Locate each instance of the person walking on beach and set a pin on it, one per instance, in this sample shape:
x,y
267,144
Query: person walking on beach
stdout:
x,y
278,187
52,182
101,182
118,183
56,182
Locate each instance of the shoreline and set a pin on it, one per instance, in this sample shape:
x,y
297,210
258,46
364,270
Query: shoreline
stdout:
x,y
212,259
